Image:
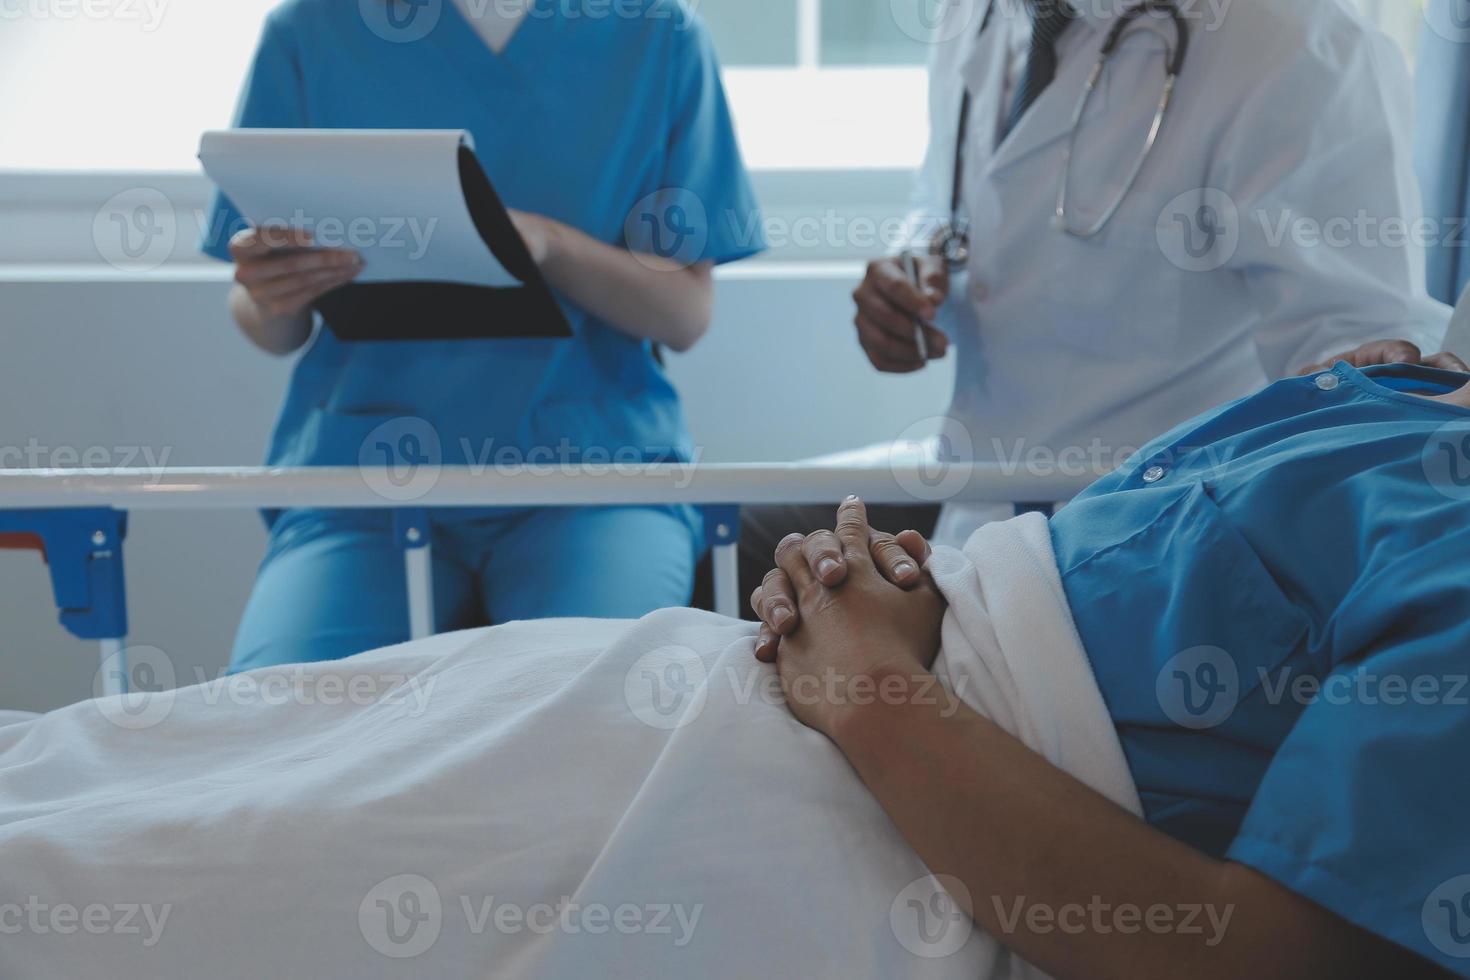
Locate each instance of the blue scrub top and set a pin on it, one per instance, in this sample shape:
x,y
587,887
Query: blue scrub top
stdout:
x,y
586,114
1275,598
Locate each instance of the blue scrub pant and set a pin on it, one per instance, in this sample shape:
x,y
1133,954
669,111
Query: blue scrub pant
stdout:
x,y
333,582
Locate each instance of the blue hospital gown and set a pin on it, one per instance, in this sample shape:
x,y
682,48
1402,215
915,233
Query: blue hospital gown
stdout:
x,y
1275,598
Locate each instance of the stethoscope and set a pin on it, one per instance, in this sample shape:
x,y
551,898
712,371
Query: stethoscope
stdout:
x,y
953,240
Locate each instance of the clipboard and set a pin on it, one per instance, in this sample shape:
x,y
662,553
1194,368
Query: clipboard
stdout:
x,y
460,292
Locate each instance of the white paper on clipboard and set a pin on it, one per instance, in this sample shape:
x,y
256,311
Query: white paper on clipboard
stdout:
x,y
394,196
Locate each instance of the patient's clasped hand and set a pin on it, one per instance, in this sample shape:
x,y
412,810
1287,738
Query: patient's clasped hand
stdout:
x,y
1078,746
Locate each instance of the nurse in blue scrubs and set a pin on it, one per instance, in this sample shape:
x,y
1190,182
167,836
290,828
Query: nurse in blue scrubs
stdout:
x,y
581,113
1275,601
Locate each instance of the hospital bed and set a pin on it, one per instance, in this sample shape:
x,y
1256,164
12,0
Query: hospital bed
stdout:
x,y
77,519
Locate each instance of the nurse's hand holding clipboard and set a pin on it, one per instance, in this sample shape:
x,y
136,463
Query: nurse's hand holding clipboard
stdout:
x,y
892,311
643,295
278,275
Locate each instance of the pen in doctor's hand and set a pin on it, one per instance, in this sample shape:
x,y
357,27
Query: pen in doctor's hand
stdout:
x,y
892,308
911,269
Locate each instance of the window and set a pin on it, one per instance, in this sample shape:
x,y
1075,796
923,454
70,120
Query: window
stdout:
x,y
130,84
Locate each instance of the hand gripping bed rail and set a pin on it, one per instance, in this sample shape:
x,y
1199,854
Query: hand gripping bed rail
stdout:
x,y
77,519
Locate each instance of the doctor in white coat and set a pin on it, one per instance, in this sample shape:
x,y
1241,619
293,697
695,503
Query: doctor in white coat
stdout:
x,y
1274,227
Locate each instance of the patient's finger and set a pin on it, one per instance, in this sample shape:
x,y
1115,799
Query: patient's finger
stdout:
x,y
766,645
824,556
854,532
1448,362
774,601
896,564
791,560
916,545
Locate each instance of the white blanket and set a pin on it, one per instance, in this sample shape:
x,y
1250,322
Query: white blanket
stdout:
x,y
553,800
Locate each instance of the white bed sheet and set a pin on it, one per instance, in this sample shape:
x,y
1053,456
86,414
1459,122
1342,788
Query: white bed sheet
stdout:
x,y
552,800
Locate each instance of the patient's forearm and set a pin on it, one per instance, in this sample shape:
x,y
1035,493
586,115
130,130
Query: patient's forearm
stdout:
x,y
1040,852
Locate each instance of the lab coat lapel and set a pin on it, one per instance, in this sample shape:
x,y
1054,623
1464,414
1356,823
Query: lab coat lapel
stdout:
x,y
1050,117
982,71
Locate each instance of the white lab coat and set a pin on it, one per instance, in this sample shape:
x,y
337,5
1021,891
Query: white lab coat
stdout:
x,y
1289,116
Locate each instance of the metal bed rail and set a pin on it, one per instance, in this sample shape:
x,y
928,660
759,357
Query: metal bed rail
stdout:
x,y
77,519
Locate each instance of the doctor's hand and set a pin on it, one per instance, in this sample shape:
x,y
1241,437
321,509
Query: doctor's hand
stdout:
x,y
283,273
1390,352
826,560
888,305
860,641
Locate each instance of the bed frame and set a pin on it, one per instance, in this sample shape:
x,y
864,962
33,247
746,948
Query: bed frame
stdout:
x,y
78,519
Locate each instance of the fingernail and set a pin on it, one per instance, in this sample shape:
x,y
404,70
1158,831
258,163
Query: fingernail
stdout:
x,y
828,567
851,498
904,568
780,616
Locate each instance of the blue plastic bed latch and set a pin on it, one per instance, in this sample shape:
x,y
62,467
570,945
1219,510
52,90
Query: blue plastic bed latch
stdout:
x,y
83,547
722,524
411,527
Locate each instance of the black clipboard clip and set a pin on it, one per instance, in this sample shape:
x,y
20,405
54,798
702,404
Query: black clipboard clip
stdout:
x,y
382,311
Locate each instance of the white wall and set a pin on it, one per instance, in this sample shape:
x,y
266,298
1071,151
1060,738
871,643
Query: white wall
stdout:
x,y
96,362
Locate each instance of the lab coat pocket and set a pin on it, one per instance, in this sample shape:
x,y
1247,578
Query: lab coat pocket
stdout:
x,y
1211,622
1126,299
